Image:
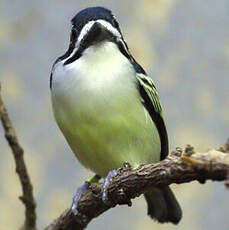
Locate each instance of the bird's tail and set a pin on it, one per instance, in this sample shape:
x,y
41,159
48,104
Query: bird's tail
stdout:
x,y
162,205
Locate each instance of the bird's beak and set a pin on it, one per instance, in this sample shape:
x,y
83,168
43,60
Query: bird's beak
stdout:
x,y
97,33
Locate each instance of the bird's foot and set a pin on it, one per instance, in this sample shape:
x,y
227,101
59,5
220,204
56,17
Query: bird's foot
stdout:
x,y
106,183
123,198
85,188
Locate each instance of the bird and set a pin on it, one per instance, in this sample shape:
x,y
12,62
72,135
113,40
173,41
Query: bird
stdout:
x,y
108,108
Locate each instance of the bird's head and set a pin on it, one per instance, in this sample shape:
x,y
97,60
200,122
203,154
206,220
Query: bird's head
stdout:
x,y
90,27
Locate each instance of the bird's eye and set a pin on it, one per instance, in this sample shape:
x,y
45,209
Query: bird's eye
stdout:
x,y
74,34
115,23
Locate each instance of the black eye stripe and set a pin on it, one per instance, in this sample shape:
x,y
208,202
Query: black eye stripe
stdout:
x,y
74,34
115,23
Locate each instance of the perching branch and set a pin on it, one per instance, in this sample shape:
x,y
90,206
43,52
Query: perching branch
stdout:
x,y
27,188
179,167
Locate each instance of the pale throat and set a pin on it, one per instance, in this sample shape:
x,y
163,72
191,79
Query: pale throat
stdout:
x,y
103,55
100,64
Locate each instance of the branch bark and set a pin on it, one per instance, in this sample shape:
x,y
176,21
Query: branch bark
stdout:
x,y
179,167
21,169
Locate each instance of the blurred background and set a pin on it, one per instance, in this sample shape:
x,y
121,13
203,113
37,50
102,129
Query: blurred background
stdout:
x,y
183,45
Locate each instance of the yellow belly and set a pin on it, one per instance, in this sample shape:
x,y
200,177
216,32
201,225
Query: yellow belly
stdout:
x,y
104,135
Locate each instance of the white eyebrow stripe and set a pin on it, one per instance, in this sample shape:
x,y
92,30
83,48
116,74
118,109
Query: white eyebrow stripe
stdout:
x,y
88,26
109,27
84,31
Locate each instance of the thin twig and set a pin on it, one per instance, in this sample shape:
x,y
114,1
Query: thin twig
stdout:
x,y
21,169
179,167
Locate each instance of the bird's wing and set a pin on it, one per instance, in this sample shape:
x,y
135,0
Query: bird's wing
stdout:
x,y
152,104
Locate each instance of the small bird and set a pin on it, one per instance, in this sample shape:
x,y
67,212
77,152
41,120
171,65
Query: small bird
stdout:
x,y
108,108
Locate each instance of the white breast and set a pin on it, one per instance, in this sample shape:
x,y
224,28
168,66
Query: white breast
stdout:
x,y
100,65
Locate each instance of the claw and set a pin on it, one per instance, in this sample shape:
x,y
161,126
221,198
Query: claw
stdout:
x,y
85,188
106,183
